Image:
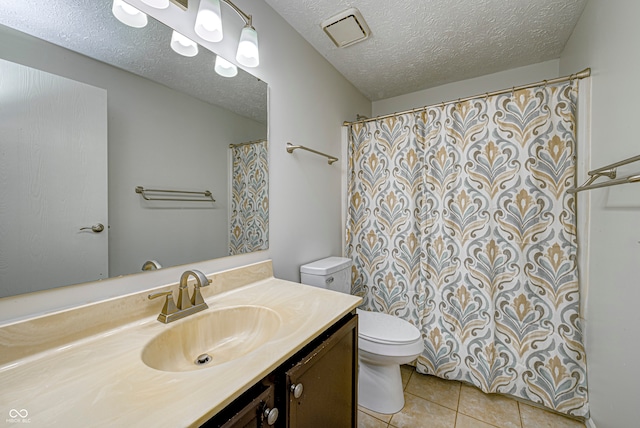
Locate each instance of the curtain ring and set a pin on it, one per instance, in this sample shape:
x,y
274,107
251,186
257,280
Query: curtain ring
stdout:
x,y
486,96
545,84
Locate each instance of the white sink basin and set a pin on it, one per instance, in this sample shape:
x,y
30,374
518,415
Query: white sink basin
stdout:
x,y
211,337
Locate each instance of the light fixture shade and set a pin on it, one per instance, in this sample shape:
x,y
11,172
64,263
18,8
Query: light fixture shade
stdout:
x,y
158,4
183,45
209,21
248,54
224,68
128,14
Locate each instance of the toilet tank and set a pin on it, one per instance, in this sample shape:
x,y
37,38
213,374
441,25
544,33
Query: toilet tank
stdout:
x,y
332,273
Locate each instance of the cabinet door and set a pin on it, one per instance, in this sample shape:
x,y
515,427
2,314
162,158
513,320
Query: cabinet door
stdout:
x,y
257,413
328,378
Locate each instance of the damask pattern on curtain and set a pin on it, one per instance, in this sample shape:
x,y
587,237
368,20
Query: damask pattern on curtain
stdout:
x,y
249,212
459,222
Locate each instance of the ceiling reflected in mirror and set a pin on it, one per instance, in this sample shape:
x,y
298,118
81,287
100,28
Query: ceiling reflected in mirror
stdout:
x,y
91,29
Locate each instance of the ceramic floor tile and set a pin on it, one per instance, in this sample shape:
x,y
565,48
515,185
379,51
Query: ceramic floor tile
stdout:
x,y
406,372
420,413
432,388
368,421
464,421
490,408
380,416
533,417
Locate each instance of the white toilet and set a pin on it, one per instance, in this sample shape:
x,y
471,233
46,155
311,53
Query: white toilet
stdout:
x,y
384,341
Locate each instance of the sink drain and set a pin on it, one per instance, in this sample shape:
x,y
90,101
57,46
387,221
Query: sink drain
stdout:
x,y
203,359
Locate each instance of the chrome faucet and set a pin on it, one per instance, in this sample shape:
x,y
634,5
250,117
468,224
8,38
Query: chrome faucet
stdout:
x,y
186,306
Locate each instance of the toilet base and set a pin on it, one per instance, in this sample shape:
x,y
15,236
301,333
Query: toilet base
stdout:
x,y
380,387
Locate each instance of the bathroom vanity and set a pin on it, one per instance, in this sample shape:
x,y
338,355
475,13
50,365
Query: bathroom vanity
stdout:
x,y
276,345
315,387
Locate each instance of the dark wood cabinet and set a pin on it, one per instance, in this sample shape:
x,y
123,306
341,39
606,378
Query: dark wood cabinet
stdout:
x,y
321,387
317,387
253,409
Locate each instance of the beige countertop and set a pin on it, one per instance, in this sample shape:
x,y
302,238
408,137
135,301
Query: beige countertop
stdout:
x,y
101,379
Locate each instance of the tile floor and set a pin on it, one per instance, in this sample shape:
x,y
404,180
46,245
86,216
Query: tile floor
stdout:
x,y
431,402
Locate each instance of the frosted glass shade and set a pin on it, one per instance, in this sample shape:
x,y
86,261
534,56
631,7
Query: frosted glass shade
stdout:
x,y
128,14
248,54
209,21
224,68
183,45
158,4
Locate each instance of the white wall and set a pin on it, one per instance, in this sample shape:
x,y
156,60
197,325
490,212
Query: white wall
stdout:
x,y
467,88
605,39
181,144
308,101
157,138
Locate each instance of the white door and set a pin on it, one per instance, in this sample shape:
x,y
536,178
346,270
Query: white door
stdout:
x,y
53,181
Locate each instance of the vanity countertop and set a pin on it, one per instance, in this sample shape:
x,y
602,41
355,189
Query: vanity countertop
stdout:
x,y
101,380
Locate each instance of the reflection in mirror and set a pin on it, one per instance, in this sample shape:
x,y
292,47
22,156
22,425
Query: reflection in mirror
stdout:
x,y
157,120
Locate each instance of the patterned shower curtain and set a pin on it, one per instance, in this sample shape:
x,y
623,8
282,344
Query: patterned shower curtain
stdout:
x,y
459,222
249,216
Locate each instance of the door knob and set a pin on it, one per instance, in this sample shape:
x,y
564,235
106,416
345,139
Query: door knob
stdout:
x,y
97,228
297,390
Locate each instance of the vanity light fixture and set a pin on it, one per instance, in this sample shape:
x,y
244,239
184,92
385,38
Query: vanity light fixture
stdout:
x,y
224,68
248,54
209,21
209,26
128,14
183,45
158,4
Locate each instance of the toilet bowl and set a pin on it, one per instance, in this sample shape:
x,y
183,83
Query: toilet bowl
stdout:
x,y
384,341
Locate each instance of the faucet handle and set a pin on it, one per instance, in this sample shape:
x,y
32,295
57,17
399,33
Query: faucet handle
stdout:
x,y
169,306
196,298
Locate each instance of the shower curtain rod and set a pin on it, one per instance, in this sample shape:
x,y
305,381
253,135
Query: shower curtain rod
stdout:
x,y
581,75
231,146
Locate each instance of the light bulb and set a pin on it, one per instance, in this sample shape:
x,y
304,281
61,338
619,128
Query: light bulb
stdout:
x,y
183,45
209,21
128,14
224,68
248,53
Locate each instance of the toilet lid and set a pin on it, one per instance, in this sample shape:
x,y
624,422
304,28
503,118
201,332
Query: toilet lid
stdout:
x,y
382,328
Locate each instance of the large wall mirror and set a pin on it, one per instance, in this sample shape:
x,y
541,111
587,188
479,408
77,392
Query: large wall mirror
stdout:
x,y
90,110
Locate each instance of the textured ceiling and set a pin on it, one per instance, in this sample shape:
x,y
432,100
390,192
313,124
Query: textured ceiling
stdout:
x,y
418,44
88,27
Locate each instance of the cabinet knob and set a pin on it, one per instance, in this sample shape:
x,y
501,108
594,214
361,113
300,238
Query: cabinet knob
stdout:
x,y
271,415
297,390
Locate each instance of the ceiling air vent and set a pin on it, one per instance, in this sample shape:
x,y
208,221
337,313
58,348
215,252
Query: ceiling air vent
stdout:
x,y
346,28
